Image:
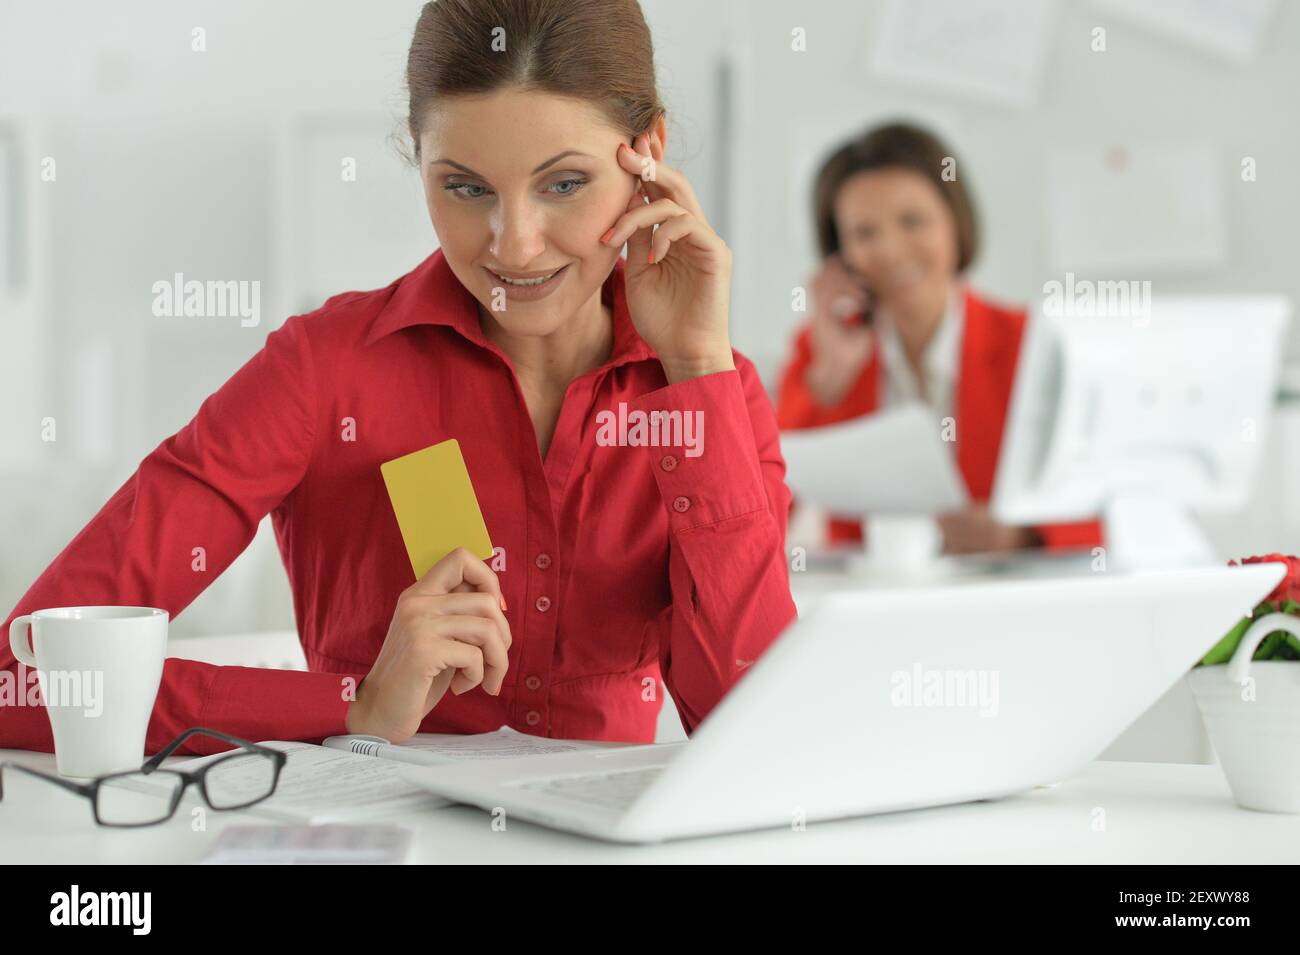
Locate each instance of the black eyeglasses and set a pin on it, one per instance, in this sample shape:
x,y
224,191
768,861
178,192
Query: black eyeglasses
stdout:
x,y
233,781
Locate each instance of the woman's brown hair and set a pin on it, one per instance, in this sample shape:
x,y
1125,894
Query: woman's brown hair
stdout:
x,y
895,146
599,51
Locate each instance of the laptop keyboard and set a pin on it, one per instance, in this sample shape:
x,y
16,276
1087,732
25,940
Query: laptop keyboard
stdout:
x,y
616,790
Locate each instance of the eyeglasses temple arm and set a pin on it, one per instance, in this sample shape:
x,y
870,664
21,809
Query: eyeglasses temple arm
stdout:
x,y
156,760
82,788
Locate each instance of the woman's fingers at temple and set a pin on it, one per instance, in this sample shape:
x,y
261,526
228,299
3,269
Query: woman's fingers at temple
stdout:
x,y
638,162
658,179
677,187
642,216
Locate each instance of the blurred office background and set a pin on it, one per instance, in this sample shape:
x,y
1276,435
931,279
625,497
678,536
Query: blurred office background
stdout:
x,y
224,164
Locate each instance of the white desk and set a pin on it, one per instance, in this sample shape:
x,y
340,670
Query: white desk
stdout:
x,y
1153,813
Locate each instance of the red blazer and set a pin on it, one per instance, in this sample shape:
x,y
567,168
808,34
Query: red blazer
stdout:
x,y
986,370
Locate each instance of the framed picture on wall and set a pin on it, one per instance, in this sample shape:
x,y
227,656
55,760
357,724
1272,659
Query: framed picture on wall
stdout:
x,y
349,209
13,211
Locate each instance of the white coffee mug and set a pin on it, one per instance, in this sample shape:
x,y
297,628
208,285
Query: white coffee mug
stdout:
x,y
903,543
99,670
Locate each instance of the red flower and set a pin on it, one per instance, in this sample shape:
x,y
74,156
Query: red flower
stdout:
x,y
1289,587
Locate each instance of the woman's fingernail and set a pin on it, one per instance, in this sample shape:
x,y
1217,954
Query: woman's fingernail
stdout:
x,y
503,603
605,237
650,257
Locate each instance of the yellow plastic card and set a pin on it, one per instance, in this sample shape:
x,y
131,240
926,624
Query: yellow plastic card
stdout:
x,y
435,505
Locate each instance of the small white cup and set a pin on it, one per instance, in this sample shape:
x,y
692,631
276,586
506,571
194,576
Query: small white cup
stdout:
x,y
903,543
99,670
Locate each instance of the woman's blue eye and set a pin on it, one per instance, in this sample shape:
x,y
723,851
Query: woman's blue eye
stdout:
x,y
457,186
576,183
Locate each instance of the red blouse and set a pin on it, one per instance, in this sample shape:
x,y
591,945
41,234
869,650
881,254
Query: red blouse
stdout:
x,y
990,349
625,564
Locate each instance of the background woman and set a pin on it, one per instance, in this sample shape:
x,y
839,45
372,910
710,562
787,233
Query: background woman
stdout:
x,y
893,320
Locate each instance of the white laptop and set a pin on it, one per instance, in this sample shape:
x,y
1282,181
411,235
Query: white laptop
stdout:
x,y
889,700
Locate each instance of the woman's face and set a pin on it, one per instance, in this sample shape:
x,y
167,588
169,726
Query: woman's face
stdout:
x,y
519,185
898,233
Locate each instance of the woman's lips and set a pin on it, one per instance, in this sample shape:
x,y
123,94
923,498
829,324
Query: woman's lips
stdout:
x,y
530,279
531,291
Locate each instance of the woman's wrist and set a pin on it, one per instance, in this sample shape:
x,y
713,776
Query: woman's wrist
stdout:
x,y
680,370
355,717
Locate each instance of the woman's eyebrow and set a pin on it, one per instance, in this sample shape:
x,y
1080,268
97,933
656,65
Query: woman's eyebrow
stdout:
x,y
558,156
550,162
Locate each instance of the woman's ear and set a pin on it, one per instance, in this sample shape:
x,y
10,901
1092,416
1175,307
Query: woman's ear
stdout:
x,y
659,129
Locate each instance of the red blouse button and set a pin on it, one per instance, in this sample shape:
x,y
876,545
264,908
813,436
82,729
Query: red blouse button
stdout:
x,y
533,682
668,462
533,718
543,604
681,504
543,561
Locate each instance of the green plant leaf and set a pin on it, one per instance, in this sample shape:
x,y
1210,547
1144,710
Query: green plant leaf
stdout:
x,y
1289,648
1267,648
1222,651
1278,645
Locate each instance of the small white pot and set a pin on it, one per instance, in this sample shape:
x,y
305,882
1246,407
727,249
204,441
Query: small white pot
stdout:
x,y
1252,712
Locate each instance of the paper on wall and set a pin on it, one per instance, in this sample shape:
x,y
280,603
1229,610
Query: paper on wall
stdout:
x,y
1232,29
1131,208
985,49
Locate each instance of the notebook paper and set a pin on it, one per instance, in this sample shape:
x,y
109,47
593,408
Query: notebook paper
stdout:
x,y
359,777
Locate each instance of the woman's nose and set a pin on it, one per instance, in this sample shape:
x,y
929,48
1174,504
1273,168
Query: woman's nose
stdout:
x,y
518,236
889,252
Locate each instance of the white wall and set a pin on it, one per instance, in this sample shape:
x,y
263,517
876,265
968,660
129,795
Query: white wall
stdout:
x,y
1142,89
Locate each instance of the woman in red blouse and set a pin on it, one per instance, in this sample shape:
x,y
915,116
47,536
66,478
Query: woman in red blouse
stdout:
x,y
894,322
623,564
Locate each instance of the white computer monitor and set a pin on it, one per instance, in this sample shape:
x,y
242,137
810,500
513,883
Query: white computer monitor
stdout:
x,y
1140,416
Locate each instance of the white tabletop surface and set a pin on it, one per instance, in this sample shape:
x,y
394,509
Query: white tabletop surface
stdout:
x,y
1112,812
